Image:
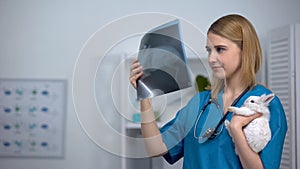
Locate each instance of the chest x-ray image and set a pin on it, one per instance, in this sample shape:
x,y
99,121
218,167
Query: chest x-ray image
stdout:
x,y
162,56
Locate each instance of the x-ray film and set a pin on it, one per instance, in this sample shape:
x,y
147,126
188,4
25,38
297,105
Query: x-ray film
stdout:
x,y
162,56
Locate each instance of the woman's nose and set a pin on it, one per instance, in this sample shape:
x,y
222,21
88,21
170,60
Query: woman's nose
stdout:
x,y
212,57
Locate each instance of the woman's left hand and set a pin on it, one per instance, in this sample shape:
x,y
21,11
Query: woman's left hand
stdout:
x,y
238,122
235,128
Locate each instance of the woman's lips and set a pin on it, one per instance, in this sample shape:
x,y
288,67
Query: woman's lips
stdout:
x,y
215,68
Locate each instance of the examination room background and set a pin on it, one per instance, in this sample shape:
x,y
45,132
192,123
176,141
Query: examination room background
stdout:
x,y
41,39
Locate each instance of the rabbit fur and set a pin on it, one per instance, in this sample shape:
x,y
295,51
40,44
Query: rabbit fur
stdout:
x,y
257,132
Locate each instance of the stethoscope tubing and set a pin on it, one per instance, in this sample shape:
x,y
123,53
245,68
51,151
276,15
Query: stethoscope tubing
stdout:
x,y
214,132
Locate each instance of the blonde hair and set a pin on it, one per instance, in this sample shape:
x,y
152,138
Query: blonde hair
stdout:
x,y
240,31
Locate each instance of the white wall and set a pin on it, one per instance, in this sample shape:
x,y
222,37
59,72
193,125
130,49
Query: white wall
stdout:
x,y
42,39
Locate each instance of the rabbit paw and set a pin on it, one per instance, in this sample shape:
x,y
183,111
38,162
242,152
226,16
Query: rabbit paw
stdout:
x,y
230,109
226,122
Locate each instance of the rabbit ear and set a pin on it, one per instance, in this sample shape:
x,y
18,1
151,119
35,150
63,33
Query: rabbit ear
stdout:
x,y
268,98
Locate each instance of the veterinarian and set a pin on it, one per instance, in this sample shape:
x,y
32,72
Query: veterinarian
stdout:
x,y
234,55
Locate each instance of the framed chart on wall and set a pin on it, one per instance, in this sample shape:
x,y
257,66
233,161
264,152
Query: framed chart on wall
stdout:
x,y
32,117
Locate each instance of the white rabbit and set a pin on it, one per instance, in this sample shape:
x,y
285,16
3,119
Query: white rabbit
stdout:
x,y
257,132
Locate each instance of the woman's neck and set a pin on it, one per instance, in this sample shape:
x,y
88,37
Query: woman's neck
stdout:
x,y
232,90
233,86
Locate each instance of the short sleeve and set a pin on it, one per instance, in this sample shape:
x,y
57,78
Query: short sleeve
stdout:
x,y
271,154
174,132
172,137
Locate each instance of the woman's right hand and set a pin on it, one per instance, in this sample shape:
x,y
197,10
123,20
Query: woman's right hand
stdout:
x,y
136,71
153,142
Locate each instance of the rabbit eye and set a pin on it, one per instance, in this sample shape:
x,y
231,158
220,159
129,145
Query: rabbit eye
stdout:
x,y
252,101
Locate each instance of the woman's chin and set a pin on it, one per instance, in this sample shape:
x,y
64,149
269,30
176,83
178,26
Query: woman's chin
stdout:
x,y
219,75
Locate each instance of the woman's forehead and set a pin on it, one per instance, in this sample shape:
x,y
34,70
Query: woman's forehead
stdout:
x,y
217,40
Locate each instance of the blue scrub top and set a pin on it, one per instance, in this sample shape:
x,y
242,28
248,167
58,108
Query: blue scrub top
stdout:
x,y
178,135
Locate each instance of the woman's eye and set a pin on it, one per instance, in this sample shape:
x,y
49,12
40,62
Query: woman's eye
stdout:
x,y
208,50
219,49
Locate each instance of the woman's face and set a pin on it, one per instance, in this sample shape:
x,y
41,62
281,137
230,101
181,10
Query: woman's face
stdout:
x,y
224,56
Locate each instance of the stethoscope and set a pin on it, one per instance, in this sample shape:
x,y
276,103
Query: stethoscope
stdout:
x,y
211,133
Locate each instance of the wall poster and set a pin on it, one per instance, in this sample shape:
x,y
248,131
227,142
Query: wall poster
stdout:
x,y
32,117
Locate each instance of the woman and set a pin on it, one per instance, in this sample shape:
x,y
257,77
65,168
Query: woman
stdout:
x,y
234,54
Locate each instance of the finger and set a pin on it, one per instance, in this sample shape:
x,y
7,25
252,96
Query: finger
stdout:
x,y
135,67
255,116
134,78
133,83
245,120
134,64
136,70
